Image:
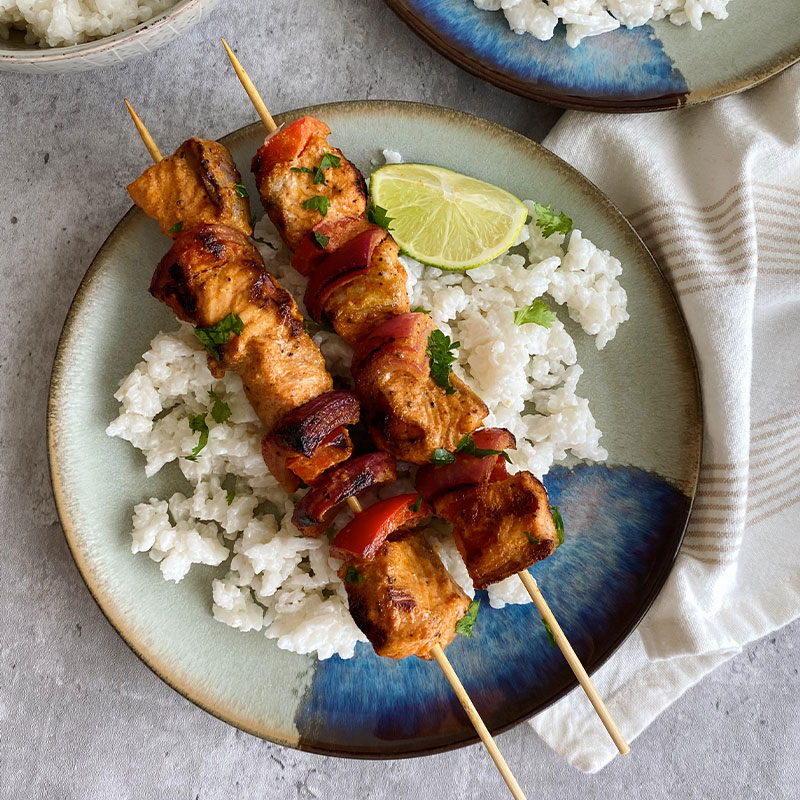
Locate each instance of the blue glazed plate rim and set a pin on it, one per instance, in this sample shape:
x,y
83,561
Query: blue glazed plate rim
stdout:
x,y
655,580
545,93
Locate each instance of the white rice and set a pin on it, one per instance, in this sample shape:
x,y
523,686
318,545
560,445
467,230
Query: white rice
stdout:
x,y
283,583
58,23
592,17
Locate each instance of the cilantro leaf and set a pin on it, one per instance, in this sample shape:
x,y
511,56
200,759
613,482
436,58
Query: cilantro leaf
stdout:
x,y
352,575
421,310
550,222
264,241
379,216
538,311
532,539
318,203
302,169
550,636
438,350
241,190
441,456
468,446
558,521
320,239
229,496
465,625
220,411
214,336
311,327
176,228
197,422
417,504
328,160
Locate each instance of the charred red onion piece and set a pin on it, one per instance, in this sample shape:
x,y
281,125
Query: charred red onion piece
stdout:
x,y
301,432
317,508
467,470
347,263
403,339
338,231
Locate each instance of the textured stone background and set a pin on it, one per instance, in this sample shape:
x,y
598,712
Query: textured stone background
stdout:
x,y
80,716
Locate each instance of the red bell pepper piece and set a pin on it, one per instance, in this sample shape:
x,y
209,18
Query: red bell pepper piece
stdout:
x,y
363,536
287,143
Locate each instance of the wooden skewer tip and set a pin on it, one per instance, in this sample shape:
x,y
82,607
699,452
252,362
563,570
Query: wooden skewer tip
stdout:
x,y
148,140
249,87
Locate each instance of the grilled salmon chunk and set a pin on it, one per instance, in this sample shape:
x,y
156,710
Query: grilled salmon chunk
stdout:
x,y
408,414
500,527
196,185
212,271
403,599
285,169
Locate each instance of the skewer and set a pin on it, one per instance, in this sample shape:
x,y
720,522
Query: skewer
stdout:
x,y
527,579
437,651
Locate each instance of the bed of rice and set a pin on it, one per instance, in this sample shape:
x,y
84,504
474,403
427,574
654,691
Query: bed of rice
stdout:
x,y
592,17
284,584
57,23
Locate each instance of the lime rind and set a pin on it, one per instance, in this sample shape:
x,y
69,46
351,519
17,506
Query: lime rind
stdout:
x,y
445,219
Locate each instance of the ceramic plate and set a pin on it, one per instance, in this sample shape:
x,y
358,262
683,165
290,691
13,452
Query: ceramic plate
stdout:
x,y
651,68
625,519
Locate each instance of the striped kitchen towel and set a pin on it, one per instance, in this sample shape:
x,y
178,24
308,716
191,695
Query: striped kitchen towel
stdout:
x,y
714,192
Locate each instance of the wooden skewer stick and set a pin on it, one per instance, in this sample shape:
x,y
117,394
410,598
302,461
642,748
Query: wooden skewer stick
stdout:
x,y
436,650
149,143
574,662
252,92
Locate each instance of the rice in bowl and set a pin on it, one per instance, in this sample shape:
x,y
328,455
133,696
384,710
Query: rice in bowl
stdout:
x,y
233,512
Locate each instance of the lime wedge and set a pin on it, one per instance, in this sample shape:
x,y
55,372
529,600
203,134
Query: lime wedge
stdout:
x,y
446,219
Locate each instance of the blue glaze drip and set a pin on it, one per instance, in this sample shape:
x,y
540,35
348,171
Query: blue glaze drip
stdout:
x,y
622,526
624,63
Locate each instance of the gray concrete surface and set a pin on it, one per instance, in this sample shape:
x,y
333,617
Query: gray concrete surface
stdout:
x,y
80,716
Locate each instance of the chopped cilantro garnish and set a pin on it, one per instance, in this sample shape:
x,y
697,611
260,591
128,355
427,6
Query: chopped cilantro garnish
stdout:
x,y
176,228
311,327
531,538
318,203
379,216
241,190
558,521
417,504
441,456
550,637
220,411
352,575
302,169
214,336
320,239
264,241
538,311
229,496
468,446
421,310
465,625
439,351
328,160
197,422
550,222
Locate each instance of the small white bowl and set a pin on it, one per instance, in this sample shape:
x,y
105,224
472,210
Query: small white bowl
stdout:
x,y
143,38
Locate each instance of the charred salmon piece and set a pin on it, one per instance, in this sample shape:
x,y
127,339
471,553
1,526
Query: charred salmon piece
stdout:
x,y
500,527
369,300
198,184
285,169
408,414
403,599
212,271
